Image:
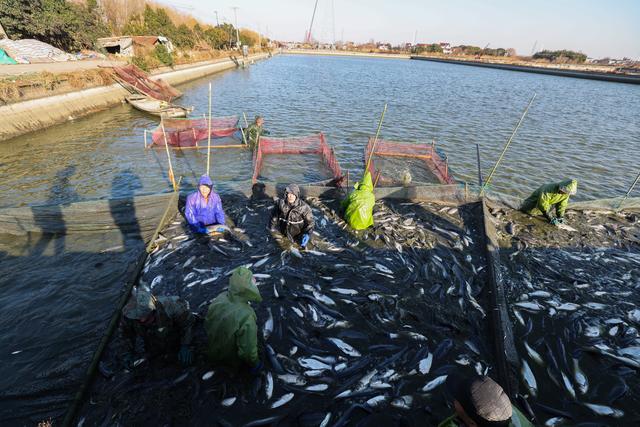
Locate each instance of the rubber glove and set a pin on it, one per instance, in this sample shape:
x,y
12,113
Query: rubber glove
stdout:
x,y
256,369
200,228
185,356
305,240
555,221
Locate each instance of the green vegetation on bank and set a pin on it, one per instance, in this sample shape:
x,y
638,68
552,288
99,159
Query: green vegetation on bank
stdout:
x,y
561,56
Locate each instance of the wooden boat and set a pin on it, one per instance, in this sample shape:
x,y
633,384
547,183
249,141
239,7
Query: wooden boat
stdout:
x,y
157,107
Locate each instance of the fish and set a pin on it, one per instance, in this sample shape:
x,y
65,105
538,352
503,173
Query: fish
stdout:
x,y
261,276
311,363
529,305
268,388
292,379
344,347
282,401
580,378
298,312
568,306
364,381
207,281
316,253
555,421
16,352
402,402
568,386
529,378
296,253
317,387
140,362
156,281
343,291
534,355
268,325
424,365
604,410
434,383
229,401
376,401
383,269
207,375
326,420
261,262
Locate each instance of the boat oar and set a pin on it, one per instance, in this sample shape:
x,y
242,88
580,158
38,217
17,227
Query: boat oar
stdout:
x,y
209,134
375,140
486,183
166,146
629,192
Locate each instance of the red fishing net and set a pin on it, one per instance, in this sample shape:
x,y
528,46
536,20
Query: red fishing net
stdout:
x,y
136,80
312,144
188,132
424,152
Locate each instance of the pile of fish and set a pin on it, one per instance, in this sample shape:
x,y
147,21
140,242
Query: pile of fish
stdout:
x,y
574,295
359,325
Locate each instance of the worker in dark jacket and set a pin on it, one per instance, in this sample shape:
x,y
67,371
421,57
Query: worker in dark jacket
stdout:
x,y
548,197
164,323
203,209
293,217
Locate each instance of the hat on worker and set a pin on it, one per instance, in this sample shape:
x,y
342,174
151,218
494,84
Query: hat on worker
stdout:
x,y
482,398
141,304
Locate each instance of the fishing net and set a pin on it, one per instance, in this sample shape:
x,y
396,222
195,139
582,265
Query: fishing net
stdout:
x,y
188,132
423,153
300,145
137,81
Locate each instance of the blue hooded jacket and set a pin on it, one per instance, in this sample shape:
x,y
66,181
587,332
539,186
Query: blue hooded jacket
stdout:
x,y
201,213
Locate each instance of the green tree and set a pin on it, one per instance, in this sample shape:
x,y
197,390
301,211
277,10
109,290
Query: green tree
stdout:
x,y
217,37
183,37
163,55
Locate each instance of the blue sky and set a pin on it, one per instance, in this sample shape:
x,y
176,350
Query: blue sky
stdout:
x,y
596,27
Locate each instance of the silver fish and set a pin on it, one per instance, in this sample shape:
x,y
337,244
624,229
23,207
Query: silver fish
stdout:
x,y
207,375
268,388
434,383
268,325
529,305
364,381
229,401
555,421
424,366
296,253
343,291
376,401
344,347
261,262
292,379
317,387
568,386
282,401
298,311
604,410
528,377
323,298
311,363
568,306
261,276
580,378
402,402
326,420
534,355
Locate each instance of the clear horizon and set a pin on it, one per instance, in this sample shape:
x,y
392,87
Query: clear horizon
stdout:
x,y
595,27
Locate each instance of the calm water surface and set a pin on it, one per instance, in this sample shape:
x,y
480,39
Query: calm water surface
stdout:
x,y
576,128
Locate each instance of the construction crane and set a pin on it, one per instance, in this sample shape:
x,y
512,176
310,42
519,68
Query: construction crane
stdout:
x,y
307,39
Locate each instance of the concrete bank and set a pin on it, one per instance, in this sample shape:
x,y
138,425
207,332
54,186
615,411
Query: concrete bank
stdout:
x,y
591,75
343,53
36,114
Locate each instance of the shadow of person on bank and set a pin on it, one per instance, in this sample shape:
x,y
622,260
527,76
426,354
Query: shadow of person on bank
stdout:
x,y
49,218
122,206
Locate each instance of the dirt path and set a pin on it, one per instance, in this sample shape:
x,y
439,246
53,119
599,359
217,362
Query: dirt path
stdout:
x,y
55,67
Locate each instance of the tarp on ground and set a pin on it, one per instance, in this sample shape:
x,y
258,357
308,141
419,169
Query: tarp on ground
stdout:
x,y
6,59
29,51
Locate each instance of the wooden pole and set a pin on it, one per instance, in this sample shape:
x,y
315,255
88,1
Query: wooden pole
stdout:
x,y
375,140
375,183
479,167
166,146
209,135
507,145
145,138
246,122
629,192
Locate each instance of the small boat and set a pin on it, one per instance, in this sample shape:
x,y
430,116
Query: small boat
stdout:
x,y
157,107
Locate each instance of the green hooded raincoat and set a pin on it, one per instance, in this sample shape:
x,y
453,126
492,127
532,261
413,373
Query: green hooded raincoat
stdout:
x,y
359,204
231,322
545,198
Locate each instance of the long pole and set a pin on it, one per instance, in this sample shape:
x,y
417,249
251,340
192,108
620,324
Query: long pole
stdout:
x,y
209,135
630,190
235,13
486,183
479,167
166,146
246,122
313,16
375,140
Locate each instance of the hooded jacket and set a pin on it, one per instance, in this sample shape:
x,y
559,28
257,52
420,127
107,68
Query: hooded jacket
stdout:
x,y
548,196
200,212
292,220
358,206
231,322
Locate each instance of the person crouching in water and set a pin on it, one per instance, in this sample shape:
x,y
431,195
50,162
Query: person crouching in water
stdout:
x,y
293,217
231,326
548,197
164,323
358,206
204,209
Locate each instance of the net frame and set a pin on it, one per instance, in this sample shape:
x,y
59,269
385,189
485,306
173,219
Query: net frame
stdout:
x,y
137,81
427,152
188,132
297,145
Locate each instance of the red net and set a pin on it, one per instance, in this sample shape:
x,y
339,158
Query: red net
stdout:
x,y
136,80
424,152
312,144
188,132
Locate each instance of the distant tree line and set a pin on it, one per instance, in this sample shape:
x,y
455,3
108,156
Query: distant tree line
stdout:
x,y
561,56
430,48
68,26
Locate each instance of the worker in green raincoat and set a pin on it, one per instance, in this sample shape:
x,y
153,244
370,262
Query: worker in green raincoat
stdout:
x,y
358,206
255,131
231,323
545,198
480,402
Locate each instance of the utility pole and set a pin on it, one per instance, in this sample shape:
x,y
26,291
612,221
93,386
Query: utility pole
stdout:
x,y
217,20
235,13
313,16
333,13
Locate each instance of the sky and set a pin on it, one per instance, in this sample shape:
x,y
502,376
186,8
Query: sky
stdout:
x,y
599,28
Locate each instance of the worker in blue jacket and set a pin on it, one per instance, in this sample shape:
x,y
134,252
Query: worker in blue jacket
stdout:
x,y
203,209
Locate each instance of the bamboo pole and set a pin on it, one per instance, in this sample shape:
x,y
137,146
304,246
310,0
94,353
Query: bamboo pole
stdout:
x,y
629,192
479,167
204,147
145,138
375,140
486,183
209,135
375,183
246,122
166,145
